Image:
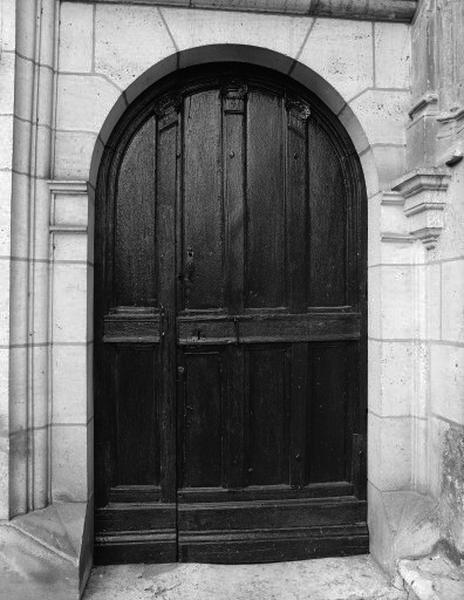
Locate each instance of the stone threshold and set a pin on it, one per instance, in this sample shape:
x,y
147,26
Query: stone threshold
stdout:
x,y
344,578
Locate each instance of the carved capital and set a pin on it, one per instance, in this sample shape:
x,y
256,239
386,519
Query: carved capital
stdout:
x,y
424,192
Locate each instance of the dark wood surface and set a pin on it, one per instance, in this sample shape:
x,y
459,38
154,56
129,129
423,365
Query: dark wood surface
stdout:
x,y
230,326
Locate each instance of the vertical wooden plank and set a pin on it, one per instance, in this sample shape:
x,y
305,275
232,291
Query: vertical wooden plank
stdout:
x,y
234,99
299,399
138,422
167,162
327,222
134,251
297,210
203,211
202,420
234,418
327,411
265,248
268,406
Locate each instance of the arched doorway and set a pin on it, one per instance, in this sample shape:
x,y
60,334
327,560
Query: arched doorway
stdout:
x,y
230,312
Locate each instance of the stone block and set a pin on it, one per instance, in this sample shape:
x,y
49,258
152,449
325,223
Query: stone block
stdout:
x,y
129,40
434,301
5,288
451,301
280,33
8,25
373,229
21,186
390,162
69,246
374,325
40,229
69,379
39,328
76,31
397,321
69,463
24,88
70,303
383,114
84,101
451,243
392,55
422,141
389,443
71,209
371,173
447,381
43,155
397,378
19,274
25,28
4,434
73,153
7,75
38,379
21,146
399,250
6,147
6,185
348,67
18,407
352,125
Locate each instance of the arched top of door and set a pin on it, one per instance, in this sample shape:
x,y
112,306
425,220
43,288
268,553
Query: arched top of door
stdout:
x,y
261,62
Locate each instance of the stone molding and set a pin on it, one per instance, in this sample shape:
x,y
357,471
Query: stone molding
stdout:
x,y
401,11
424,201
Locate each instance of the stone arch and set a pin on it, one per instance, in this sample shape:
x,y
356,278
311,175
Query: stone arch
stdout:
x,y
253,55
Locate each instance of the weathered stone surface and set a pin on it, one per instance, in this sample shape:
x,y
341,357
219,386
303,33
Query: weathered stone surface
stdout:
x,y
46,554
435,577
388,10
351,578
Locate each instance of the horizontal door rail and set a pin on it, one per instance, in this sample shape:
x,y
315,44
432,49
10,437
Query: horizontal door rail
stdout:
x,y
216,329
247,329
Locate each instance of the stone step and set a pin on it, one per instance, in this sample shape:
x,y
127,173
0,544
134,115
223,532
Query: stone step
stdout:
x,y
346,578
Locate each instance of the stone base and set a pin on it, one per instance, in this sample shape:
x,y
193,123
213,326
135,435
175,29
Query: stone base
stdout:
x,y
435,577
402,524
46,553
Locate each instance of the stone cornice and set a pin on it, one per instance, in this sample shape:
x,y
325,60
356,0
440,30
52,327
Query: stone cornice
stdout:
x,y
424,191
373,10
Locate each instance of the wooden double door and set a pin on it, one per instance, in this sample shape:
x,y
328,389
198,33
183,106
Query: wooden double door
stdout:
x,y
229,326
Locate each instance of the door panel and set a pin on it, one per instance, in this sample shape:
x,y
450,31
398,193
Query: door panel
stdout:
x,y
229,323
265,284
203,238
201,430
134,244
268,409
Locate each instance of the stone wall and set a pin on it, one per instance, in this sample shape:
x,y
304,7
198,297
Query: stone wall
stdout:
x,y
76,67
438,113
